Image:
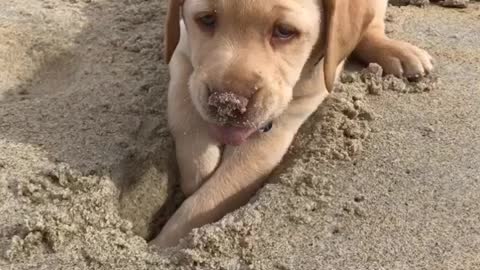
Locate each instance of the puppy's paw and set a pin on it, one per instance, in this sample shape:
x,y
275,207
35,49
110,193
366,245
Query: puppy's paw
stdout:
x,y
405,59
399,58
187,217
166,238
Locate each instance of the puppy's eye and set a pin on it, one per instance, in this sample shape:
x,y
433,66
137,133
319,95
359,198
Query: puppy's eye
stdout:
x,y
284,32
207,21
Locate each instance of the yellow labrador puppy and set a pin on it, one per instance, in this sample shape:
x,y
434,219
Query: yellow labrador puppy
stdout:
x,y
245,75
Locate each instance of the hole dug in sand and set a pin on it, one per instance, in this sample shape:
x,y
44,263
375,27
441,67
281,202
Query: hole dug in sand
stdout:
x,y
149,190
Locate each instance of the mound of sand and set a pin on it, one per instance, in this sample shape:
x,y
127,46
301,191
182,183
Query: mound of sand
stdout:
x,y
383,176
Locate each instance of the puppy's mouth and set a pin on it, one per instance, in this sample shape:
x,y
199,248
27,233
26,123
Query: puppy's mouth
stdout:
x,y
235,136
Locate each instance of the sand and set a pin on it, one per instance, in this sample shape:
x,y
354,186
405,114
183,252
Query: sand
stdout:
x,y
385,175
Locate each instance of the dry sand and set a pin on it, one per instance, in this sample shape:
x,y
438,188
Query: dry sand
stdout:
x,y
386,175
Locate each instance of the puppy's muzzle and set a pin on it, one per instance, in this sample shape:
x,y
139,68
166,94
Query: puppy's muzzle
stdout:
x,y
230,111
231,105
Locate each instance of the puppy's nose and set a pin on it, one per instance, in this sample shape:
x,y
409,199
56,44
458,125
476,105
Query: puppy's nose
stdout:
x,y
227,104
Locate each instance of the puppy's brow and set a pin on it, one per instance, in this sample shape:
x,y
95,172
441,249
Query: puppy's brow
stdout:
x,y
287,11
200,5
280,8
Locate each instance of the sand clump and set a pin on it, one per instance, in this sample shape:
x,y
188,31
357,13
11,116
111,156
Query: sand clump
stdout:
x,y
376,82
343,119
443,3
454,3
51,210
419,3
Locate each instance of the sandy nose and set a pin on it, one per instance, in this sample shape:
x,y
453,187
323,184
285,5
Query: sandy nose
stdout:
x,y
227,104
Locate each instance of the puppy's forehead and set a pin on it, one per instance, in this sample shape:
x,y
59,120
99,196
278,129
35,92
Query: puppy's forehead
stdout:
x,y
251,7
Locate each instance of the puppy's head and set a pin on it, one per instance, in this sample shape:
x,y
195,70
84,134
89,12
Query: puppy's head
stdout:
x,y
247,55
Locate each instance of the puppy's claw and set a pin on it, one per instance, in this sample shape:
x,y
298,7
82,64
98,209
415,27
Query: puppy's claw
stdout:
x,y
415,77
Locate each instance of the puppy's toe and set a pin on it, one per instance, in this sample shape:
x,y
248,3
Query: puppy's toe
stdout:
x,y
426,59
392,65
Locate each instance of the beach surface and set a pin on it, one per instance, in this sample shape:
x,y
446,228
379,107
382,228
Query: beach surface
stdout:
x,y
385,175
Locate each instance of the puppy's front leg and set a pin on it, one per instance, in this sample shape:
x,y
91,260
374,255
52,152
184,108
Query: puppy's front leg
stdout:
x,y
240,174
197,153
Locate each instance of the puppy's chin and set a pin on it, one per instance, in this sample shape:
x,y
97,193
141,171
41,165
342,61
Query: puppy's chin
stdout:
x,y
237,132
231,135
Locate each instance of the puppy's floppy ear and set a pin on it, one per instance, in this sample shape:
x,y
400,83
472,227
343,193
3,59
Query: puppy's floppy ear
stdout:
x,y
346,22
172,28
